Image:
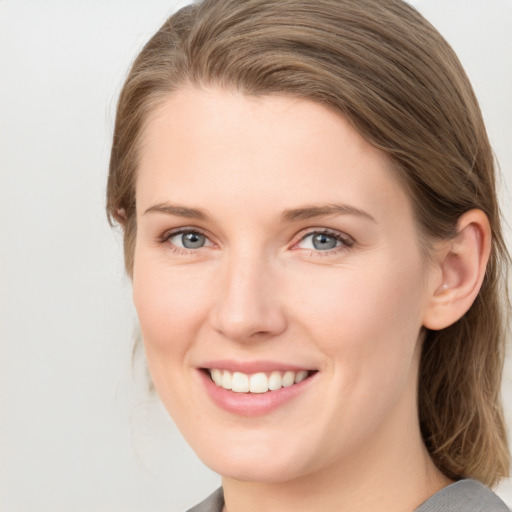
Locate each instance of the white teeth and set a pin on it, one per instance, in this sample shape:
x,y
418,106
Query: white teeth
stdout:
x,y
257,382
300,376
288,379
216,376
240,382
275,381
227,377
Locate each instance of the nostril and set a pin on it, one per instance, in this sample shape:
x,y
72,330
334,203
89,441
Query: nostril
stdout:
x,y
259,334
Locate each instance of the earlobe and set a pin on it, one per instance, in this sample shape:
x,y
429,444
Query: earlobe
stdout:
x,y
462,263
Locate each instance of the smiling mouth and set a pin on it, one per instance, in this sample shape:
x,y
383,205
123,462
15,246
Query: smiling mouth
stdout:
x,y
260,382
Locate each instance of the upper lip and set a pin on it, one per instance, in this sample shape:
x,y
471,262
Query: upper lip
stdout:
x,y
250,367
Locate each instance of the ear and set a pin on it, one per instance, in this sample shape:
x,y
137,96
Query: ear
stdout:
x,y
459,271
120,216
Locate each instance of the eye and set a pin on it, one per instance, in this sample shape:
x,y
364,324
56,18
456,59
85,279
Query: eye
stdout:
x,y
187,239
324,241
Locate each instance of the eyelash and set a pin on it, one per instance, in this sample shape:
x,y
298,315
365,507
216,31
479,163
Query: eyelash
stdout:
x,y
346,241
164,239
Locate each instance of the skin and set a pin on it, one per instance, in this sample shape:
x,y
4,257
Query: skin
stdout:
x,y
259,290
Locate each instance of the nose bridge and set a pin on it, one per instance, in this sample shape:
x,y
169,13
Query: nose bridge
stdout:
x,y
249,302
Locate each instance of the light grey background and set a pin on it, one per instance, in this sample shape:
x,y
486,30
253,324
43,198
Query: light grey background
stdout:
x,y
78,430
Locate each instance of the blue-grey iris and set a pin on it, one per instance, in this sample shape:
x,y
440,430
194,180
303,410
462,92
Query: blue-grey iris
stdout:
x,y
324,242
193,240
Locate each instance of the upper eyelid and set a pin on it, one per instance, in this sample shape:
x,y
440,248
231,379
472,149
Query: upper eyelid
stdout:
x,y
170,233
328,231
186,229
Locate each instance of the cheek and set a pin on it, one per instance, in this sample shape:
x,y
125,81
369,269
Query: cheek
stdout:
x,y
367,323
366,319
352,301
170,306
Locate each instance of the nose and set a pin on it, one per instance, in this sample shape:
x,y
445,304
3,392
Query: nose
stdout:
x,y
248,303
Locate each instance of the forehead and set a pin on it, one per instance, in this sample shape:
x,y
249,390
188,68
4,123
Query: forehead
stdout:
x,y
205,144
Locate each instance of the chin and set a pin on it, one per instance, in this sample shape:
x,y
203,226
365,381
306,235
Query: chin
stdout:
x,y
262,471
257,463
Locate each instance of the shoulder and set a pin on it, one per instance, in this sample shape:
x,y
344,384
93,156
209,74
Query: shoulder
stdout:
x,y
214,503
464,496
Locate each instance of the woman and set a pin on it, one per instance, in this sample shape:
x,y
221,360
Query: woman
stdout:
x,y
308,201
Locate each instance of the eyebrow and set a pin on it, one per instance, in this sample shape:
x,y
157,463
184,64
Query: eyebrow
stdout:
x,y
291,215
309,212
178,211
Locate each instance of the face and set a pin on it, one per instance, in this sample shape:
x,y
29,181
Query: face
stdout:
x,y
276,255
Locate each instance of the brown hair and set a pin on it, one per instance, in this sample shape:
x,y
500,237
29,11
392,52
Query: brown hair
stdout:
x,y
394,77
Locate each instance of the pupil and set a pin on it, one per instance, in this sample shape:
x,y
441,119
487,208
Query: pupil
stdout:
x,y
192,240
323,241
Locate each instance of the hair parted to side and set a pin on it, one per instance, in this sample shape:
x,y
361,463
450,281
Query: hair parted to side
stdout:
x,y
392,75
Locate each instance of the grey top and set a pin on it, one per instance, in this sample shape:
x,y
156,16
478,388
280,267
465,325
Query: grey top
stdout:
x,y
462,496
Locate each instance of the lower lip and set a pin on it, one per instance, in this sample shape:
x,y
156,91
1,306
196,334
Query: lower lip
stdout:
x,y
252,404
